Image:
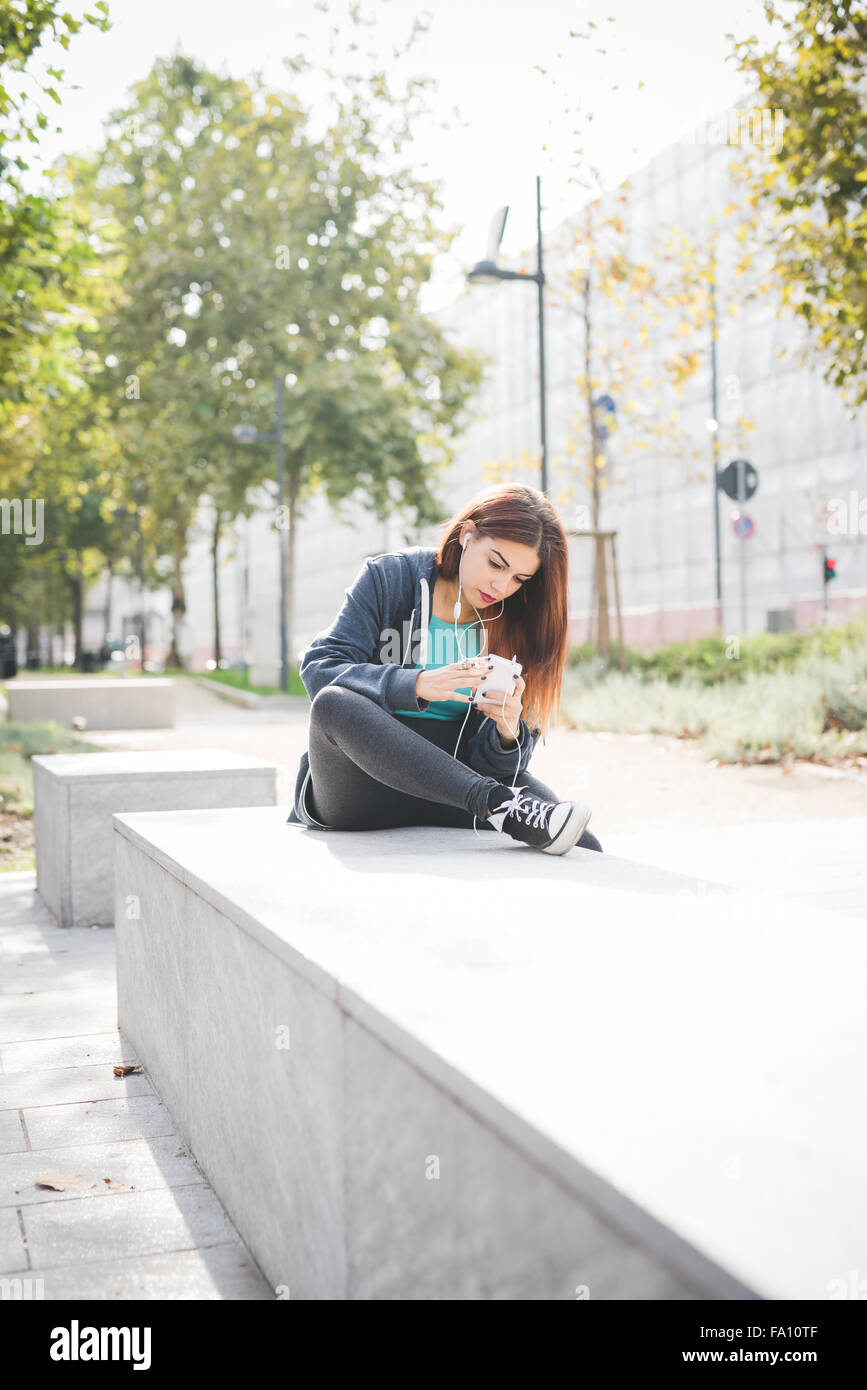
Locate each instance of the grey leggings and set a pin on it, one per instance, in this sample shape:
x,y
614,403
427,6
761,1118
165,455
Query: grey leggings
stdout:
x,y
373,770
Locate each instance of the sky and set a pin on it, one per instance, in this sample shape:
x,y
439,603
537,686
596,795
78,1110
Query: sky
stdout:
x,y
513,99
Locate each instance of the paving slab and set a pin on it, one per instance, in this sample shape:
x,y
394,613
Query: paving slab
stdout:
x,y
142,1164
42,1053
12,1136
159,1231
218,1272
12,1252
60,1126
63,1085
128,1223
57,1013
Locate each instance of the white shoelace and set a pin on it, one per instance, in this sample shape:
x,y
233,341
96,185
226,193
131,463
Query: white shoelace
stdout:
x,y
527,808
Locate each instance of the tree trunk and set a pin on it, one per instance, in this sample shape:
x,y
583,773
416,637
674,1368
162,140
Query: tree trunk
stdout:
x,y
600,577
76,585
106,611
603,638
603,631
215,555
289,556
179,604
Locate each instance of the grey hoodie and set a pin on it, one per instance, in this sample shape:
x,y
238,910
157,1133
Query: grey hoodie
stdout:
x,y
367,648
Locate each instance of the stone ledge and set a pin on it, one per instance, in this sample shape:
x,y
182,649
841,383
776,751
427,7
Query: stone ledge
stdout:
x,y
248,698
75,795
108,702
672,1056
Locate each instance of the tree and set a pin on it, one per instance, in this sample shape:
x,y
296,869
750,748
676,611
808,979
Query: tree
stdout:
x,y
248,248
809,188
40,263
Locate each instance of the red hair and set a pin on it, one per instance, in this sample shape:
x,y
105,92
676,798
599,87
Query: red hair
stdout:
x,y
533,624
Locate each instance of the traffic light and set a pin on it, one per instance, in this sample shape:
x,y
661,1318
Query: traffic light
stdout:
x,y
829,569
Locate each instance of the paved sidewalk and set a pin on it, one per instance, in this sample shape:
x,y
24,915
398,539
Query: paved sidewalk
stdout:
x,y
144,1222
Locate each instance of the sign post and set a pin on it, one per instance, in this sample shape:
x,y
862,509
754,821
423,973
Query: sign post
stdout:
x,y
744,528
739,480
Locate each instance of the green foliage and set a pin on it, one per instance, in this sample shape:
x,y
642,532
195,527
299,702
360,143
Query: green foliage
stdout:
x,y
240,680
782,706
42,253
18,744
40,737
237,246
811,186
715,660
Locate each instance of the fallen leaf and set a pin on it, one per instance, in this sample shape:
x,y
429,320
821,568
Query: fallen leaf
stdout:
x,y
61,1182
118,1186
125,1068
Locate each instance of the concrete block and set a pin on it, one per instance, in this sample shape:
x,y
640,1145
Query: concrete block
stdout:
x,y
75,796
629,1079
127,702
260,1034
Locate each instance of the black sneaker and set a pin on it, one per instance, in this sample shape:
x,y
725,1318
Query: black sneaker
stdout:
x,y
551,826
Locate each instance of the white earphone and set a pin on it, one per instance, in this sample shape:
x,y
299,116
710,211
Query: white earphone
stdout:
x,y
457,612
457,608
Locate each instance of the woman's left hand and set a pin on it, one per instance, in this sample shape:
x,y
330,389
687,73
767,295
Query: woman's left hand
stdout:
x,y
506,716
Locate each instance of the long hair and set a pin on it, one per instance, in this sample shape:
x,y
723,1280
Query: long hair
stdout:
x,y
533,624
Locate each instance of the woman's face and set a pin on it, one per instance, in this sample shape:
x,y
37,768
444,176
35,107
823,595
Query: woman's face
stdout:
x,y
494,569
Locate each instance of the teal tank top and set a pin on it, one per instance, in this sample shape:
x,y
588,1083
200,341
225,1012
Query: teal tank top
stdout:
x,y
443,651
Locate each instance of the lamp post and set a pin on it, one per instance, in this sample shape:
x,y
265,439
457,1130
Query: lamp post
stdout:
x,y
713,427
248,434
487,272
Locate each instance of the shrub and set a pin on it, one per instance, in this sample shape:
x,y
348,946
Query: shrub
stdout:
x,y
812,707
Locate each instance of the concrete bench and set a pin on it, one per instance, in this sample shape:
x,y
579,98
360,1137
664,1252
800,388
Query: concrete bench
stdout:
x,y
423,1064
110,702
75,794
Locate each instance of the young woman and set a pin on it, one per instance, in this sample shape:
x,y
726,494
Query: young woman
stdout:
x,y
402,728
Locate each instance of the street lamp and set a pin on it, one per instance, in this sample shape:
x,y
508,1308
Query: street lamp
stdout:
x,y
487,272
248,434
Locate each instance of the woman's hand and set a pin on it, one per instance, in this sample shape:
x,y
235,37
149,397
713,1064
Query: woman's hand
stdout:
x,y
443,682
506,716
